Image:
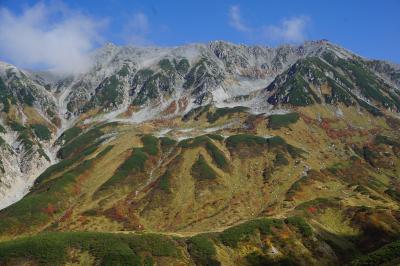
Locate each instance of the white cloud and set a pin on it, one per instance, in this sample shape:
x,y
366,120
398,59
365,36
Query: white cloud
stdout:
x,y
290,30
50,36
137,29
235,19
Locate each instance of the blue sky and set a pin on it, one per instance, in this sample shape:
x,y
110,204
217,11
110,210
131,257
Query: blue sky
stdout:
x,y
369,28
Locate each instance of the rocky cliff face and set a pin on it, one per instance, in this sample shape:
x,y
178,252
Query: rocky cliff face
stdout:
x,y
195,74
29,120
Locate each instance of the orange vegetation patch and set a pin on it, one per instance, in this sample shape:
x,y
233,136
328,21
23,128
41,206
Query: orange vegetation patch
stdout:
x,y
117,213
129,111
89,114
171,109
50,209
159,123
67,215
253,121
182,103
325,89
325,124
56,121
312,209
124,214
34,117
80,180
285,234
392,122
383,222
82,219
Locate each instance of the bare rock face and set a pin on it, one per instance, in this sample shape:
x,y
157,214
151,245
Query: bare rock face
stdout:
x,y
29,117
18,174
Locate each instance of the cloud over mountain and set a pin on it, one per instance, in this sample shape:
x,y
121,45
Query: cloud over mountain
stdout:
x,y
50,36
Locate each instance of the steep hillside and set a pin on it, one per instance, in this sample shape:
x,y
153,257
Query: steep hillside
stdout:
x,y
29,118
204,154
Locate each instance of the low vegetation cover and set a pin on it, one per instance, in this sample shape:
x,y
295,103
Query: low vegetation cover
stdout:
x,y
63,165
39,206
182,66
202,249
381,139
167,144
258,259
166,65
25,138
136,162
217,155
164,182
105,151
393,193
28,137
233,235
276,144
108,93
245,139
336,167
133,165
68,135
301,224
15,126
79,143
150,145
124,71
139,249
338,94
371,109
41,131
107,249
45,199
383,256
197,73
276,141
149,90
5,96
206,141
193,142
365,81
282,120
299,92
296,186
148,249
196,113
280,160
221,112
201,170
215,137
318,204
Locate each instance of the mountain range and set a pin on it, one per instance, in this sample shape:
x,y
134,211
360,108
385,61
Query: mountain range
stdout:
x,y
203,154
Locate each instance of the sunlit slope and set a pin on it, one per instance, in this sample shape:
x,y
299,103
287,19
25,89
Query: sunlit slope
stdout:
x,y
196,175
